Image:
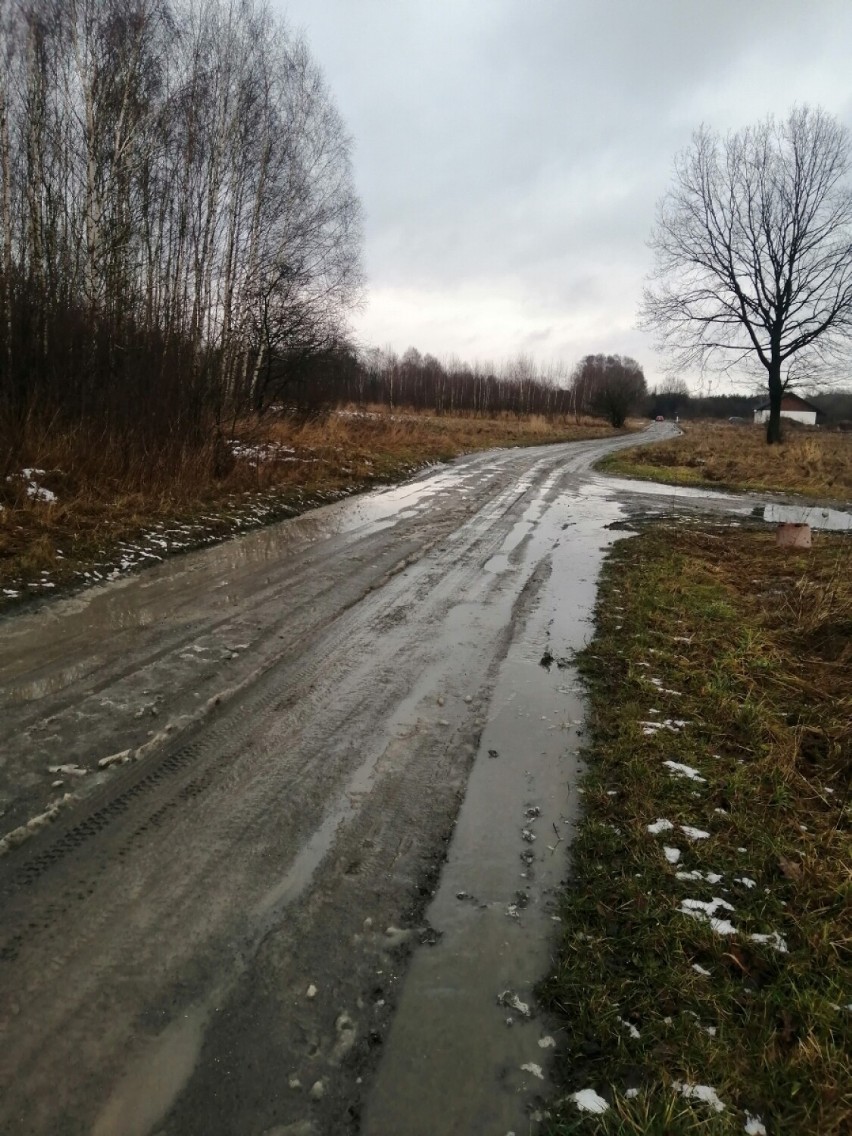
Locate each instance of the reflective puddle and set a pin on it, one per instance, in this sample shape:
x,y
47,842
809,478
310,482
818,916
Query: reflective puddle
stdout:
x,y
829,520
468,1051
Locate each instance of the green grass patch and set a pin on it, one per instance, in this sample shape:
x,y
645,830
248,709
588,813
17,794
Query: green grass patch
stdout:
x,y
718,652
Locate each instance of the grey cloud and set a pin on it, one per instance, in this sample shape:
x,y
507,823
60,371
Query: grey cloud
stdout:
x,y
517,147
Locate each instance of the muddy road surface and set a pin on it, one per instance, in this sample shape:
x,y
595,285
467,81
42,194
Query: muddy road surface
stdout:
x,y
232,900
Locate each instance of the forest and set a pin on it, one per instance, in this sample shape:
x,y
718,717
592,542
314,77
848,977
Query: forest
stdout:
x,y
177,217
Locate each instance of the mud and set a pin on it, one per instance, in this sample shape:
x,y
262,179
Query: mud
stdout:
x,y
461,1057
300,710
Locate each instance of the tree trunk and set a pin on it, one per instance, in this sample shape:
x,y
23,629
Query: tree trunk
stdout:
x,y
776,390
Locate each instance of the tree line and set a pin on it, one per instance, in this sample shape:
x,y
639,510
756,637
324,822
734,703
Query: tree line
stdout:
x,y
607,386
177,212
673,399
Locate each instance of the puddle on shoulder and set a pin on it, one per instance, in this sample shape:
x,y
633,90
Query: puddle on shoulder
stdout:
x,y
829,520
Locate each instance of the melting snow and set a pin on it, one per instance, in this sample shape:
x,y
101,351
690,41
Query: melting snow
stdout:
x,y
631,1029
664,690
773,939
694,833
695,874
536,1070
681,770
675,725
700,970
587,1100
700,1092
660,826
754,1126
671,854
749,883
706,911
709,907
511,1000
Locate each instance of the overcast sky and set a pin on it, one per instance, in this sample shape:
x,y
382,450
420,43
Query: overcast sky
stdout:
x,y
509,153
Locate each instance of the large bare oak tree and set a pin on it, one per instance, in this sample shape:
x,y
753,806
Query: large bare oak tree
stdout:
x,y
753,253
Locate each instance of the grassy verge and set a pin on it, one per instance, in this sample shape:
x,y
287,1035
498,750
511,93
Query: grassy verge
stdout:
x,y
722,456
84,509
704,972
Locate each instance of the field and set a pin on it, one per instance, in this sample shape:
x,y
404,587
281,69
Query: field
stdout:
x,y
703,975
83,509
816,464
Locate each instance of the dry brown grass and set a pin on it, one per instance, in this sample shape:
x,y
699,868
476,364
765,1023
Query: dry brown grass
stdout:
x,y
814,463
110,495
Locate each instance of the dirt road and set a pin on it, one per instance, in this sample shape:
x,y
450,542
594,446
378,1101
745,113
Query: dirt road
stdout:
x,y
267,744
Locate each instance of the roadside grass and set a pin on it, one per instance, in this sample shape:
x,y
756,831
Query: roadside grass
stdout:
x,y
716,956
86,508
719,455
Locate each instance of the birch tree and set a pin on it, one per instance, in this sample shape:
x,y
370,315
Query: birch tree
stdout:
x,y
174,176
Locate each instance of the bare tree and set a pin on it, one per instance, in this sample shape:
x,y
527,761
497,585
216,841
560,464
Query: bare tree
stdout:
x,y
178,222
753,253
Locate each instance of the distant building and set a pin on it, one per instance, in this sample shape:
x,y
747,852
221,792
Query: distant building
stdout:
x,y
799,409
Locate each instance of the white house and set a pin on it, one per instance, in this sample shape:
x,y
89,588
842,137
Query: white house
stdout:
x,y
791,407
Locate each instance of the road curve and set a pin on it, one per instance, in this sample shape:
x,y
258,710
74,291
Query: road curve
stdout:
x,y
265,746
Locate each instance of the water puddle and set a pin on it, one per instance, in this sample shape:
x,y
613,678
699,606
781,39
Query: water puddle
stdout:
x,y
179,591
466,1046
607,485
829,520
147,1092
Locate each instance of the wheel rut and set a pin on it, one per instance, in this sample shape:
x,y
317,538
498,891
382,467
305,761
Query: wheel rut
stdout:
x,y
160,938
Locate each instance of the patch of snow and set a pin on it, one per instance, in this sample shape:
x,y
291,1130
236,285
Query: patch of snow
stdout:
x,y
696,874
700,970
746,881
23,832
67,770
687,771
119,758
631,1029
659,826
536,1070
699,1092
754,1126
631,1093
671,854
694,833
773,939
546,1043
706,911
587,1100
664,690
708,906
